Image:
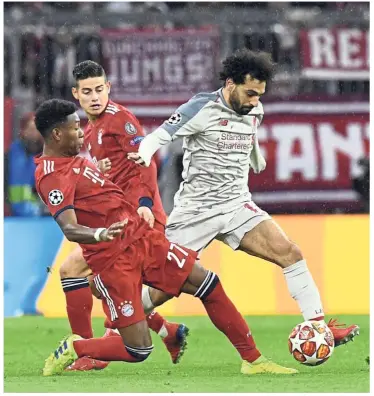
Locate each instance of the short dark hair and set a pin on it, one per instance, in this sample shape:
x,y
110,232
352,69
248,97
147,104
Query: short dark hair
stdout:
x,y
258,64
87,69
51,114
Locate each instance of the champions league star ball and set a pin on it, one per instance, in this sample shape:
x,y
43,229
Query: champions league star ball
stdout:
x,y
311,343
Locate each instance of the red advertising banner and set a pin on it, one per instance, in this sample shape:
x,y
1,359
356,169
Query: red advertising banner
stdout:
x,y
159,66
339,53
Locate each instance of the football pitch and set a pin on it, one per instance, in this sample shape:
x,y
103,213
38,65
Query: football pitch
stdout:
x,y
210,364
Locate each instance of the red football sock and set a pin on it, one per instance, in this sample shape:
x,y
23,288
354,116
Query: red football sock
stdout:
x,y
79,303
105,348
155,321
226,318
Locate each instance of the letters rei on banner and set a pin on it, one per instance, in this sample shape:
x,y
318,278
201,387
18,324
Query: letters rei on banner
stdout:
x,y
337,54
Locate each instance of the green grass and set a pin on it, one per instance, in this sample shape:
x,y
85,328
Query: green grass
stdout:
x,y
209,365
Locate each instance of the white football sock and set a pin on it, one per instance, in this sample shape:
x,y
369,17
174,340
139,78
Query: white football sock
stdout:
x,y
147,302
304,290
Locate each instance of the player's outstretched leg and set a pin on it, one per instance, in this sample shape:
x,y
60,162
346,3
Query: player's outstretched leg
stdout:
x,y
133,346
222,312
269,242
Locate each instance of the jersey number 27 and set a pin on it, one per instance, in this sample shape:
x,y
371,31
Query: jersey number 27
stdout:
x,y
178,252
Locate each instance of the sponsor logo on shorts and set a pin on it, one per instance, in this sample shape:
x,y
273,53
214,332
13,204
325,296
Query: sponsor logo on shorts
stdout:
x,y
126,308
130,128
136,140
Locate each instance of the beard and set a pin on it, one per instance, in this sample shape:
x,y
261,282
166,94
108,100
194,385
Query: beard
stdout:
x,y
236,105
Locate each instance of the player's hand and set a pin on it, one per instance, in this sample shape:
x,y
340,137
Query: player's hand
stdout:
x,y
104,166
135,157
114,230
145,213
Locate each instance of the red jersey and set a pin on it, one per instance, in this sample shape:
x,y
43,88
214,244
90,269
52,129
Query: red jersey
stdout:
x,y
74,183
112,135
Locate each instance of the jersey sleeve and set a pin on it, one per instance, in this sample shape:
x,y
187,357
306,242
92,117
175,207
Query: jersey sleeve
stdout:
x,y
129,133
57,193
190,118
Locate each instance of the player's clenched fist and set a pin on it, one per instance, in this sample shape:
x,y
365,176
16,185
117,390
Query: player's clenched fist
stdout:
x,y
145,213
104,166
108,234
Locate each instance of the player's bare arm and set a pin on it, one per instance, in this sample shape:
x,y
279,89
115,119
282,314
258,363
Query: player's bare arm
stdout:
x,y
75,232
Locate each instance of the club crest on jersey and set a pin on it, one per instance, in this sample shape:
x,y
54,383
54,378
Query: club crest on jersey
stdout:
x,y
100,137
136,140
130,128
126,308
55,197
174,119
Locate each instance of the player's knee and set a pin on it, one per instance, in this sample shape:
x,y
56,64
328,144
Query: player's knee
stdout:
x,y
139,353
74,267
296,254
66,270
290,254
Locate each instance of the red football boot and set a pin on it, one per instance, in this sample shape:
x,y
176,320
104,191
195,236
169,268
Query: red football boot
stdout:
x,y
86,363
176,340
342,335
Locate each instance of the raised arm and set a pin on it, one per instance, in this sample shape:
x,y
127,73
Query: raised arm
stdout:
x,y
188,119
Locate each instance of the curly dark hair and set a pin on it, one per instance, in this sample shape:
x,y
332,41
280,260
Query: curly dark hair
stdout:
x,y
87,69
236,66
52,113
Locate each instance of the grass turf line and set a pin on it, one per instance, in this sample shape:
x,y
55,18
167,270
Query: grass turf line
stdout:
x,y
210,364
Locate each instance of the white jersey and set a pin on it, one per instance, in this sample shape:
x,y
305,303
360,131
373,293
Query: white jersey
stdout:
x,y
220,147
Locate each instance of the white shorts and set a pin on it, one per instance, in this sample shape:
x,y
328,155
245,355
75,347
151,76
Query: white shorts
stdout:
x,y
195,230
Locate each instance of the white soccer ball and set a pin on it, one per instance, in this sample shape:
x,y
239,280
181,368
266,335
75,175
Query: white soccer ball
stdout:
x,y
311,343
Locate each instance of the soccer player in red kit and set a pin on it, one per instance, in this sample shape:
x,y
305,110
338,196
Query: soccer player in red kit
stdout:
x,y
112,132
123,252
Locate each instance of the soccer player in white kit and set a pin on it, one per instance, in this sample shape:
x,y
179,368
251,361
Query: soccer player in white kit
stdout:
x,y
214,202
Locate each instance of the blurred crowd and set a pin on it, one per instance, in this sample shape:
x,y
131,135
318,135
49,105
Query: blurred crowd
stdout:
x,y
44,40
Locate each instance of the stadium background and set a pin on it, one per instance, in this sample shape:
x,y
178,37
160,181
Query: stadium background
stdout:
x,y
315,134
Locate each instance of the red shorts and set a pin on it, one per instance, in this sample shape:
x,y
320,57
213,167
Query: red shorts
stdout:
x,y
152,260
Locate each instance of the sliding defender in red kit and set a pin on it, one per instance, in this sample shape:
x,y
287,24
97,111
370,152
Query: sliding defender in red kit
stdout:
x,y
111,133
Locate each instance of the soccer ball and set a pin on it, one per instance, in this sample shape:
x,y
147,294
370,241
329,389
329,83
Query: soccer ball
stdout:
x,y
311,343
